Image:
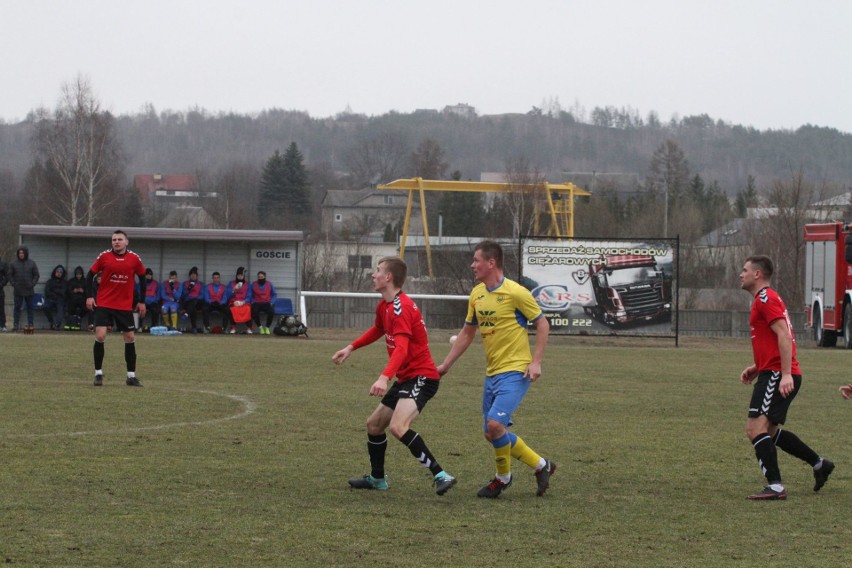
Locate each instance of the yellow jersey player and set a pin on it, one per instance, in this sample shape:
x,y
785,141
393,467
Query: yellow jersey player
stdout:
x,y
501,309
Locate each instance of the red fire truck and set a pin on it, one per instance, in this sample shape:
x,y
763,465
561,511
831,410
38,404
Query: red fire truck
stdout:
x,y
828,282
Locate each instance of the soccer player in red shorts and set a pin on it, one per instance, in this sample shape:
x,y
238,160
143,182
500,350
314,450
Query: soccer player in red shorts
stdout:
x,y
778,381
116,297
400,323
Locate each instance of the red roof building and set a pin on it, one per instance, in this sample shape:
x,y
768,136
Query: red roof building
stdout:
x,y
170,186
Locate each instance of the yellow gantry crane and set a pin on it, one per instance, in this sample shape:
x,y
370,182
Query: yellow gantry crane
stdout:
x,y
554,203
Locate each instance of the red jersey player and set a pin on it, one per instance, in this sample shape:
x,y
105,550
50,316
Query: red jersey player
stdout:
x,y
399,321
778,381
116,298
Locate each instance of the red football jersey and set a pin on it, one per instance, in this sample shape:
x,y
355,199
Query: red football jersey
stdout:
x,y
766,308
402,317
118,281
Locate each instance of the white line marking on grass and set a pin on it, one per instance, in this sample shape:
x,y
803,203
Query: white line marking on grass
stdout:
x,y
248,408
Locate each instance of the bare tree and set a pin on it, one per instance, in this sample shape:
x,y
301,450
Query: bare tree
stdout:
x,y
319,267
380,159
780,234
235,187
669,176
526,184
80,155
357,232
427,161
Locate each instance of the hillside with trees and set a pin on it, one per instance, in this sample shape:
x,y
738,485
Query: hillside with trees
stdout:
x,y
701,172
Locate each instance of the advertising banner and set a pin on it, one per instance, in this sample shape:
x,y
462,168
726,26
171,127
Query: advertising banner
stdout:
x,y
602,287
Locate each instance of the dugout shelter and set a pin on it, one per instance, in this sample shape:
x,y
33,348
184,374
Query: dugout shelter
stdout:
x,y
278,253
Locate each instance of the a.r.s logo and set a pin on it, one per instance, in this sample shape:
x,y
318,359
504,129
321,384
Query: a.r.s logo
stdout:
x,y
552,297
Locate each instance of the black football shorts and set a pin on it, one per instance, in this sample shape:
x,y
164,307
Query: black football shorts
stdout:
x,y
766,397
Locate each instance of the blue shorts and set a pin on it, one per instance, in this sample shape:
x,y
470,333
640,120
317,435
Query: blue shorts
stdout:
x,y
169,307
501,396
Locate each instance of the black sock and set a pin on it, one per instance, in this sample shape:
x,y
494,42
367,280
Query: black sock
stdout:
x,y
99,355
767,457
376,446
130,357
791,444
417,446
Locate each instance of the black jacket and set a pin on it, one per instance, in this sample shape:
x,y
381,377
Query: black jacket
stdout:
x,y
23,274
56,289
76,285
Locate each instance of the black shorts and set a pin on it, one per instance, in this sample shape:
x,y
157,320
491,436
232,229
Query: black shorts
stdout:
x,y
121,319
419,388
766,397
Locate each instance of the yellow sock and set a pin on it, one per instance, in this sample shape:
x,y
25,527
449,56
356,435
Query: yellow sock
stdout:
x,y
174,320
503,455
523,452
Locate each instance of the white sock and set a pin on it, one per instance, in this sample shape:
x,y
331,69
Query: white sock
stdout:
x,y
131,374
99,371
504,478
777,487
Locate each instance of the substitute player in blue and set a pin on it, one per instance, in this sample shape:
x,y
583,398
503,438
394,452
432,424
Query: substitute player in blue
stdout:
x,y
170,294
778,382
501,308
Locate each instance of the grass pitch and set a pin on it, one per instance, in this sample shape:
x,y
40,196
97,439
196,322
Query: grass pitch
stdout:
x,y
237,451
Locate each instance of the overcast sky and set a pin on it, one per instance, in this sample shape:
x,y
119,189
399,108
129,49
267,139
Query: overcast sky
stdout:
x,y
763,63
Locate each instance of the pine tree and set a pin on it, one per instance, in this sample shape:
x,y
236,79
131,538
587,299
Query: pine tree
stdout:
x,y
271,199
284,189
297,188
132,214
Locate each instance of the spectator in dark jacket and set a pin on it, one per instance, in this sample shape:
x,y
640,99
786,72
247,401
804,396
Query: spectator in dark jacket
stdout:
x,y
4,279
76,299
192,298
151,292
55,292
23,274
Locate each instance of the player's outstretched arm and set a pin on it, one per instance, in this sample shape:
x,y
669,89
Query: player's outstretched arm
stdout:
x,y
342,355
462,342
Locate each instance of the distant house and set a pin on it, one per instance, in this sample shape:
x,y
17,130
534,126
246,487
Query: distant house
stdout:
x,y
837,208
188,217
169,188
366,212
462,109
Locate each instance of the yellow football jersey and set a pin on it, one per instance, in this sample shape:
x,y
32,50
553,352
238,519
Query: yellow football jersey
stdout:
x,y
502,315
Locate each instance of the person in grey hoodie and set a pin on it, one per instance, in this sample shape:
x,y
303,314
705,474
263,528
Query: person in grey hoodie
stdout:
x,y
23,275
55,290
4,279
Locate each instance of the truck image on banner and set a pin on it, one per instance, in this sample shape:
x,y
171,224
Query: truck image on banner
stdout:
x,y
630,288
593,287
